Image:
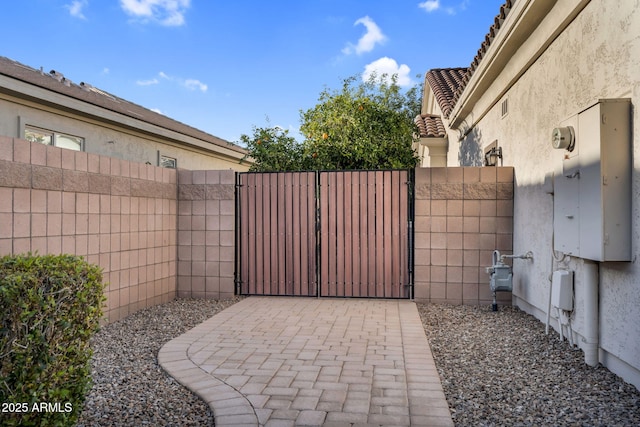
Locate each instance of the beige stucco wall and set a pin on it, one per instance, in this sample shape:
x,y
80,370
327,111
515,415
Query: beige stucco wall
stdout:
x,y
430,106
596,56
127,144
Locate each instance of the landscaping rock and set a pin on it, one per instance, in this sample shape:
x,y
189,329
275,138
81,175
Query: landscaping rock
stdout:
x,y
501,369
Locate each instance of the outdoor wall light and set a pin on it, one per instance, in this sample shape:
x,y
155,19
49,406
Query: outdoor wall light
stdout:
x,y
491,157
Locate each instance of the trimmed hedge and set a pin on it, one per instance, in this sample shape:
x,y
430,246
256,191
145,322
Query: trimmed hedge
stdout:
x,y
50,306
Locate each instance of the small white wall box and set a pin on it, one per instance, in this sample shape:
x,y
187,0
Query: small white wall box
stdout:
x,y
592,195
562,290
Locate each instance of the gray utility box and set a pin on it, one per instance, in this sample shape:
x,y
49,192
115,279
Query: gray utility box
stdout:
x,y
592,193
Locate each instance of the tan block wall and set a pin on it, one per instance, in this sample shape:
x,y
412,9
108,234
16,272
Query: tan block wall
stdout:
x,y
206,234
462,214
116,214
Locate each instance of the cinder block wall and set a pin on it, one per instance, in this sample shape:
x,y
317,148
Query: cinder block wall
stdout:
x,y
117,214
206,234
462,214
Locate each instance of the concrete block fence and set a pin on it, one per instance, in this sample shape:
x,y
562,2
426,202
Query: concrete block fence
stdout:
x,y
206,234
117,214
160,233
462,215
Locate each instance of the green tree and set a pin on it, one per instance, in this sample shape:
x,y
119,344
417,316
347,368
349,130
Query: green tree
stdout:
x,y
365,125
273,149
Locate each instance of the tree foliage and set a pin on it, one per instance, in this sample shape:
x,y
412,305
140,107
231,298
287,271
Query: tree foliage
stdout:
x,y
363,125
273,149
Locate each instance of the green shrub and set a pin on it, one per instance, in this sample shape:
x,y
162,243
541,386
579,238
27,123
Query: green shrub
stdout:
x,y
50,306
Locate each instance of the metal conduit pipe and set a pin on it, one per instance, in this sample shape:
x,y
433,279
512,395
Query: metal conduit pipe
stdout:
x,y
590,277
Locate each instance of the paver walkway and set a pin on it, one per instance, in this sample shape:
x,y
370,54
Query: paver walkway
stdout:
x,y
278,361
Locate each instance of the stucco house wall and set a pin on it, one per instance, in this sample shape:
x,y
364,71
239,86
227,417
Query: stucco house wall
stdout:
x,y
108,139
109,125
550,61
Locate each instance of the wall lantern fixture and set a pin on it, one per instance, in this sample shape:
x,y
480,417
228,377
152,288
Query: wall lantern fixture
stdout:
x,y
491,157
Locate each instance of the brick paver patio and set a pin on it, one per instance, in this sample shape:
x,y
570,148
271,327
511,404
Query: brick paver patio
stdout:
x,y
278,361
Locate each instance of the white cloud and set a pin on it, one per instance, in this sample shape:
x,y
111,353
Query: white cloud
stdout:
x,y
105,70
191,84
430,5
385,68
147,82
434,5
75,8
157,110
368,41
166,12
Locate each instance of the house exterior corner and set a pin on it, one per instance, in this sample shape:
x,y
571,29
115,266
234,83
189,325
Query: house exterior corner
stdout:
x,y
548,67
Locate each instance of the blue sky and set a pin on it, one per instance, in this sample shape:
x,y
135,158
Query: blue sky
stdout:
x,y
225,66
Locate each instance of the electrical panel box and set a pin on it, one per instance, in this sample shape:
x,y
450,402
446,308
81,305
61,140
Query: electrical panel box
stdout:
x,y
592,194
562,290
566,201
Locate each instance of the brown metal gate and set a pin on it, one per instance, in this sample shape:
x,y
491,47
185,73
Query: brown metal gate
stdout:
x,y
334,234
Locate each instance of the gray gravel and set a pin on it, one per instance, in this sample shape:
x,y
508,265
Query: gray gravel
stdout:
x,y
500,369
497,369
130,389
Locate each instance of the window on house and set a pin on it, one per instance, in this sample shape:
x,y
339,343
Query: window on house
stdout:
x,y
48,137
168,162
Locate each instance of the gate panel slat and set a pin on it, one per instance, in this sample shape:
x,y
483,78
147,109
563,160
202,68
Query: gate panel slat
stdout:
x,y
272,243
379,235
287,209
395,233
324,234
307,235
371,234
355,233
347,253
262,233
297,224
340,233
364,232
333,234
388,236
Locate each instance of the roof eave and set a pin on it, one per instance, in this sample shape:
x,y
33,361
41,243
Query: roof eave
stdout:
x,y
521,22
494,60
33,93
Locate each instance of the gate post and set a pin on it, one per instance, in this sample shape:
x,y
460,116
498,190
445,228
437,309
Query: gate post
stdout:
x,y
411,237
236,273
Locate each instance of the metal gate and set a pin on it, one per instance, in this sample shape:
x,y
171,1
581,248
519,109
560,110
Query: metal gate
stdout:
x,y
330,234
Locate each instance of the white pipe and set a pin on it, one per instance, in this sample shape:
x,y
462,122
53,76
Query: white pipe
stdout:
x,y
546,327
570,328
560,324
591,333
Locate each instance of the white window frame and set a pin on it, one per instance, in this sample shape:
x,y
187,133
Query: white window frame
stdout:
x,y
53,136
163,159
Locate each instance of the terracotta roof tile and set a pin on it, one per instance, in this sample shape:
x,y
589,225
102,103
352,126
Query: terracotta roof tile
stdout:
x,y
493,30
56,82
430,126
445,82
